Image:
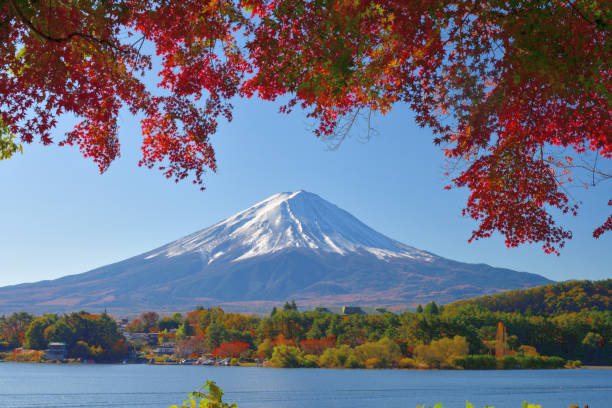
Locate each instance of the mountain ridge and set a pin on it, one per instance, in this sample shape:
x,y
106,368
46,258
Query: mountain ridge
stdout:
x,y
288,246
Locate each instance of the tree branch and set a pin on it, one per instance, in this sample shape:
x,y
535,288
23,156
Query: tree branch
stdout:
x,y
18,13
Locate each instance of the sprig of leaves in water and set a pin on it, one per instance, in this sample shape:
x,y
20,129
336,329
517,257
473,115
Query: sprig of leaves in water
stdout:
x,y
208,396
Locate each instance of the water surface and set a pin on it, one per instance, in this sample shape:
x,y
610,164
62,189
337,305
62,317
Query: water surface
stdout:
x,y
129,386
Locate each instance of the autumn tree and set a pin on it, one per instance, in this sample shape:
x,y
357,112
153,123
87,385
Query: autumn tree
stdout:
x,y
231,349
316,346
516,92
35,337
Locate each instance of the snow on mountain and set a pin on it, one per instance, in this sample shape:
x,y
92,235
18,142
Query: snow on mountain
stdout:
x,y
289,246
284,221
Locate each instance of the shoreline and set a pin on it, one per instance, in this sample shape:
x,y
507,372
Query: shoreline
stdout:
x,y
587,367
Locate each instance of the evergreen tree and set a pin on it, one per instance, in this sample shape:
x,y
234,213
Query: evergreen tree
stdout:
x,y
431,308
185,330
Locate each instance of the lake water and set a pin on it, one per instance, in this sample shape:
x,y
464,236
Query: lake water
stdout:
x,y
130,386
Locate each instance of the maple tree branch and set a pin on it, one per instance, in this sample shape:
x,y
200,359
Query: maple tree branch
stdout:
x,y
17,11
599,24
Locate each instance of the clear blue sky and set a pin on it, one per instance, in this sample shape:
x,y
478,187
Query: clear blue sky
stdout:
x,y
59,216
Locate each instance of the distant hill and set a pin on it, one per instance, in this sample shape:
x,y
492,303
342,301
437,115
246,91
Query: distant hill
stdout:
x,y
552,299
289,246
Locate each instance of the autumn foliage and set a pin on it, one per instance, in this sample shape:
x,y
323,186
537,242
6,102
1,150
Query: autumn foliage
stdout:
x,y
515,90
316,346
231,349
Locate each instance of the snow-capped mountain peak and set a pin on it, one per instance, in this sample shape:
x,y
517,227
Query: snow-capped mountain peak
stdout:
x,y
284,221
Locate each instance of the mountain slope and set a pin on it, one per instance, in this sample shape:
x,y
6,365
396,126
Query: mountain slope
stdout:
x,y
289,246
558,298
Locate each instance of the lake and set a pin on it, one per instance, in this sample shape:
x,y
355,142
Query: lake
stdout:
x,y
129,386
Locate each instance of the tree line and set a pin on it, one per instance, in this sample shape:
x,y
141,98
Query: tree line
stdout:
x,y
87,336
432,336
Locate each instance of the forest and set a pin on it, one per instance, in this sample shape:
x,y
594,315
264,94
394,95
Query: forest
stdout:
x,y
546,327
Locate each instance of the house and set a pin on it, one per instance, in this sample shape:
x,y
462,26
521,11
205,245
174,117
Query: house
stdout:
x,y
380,310
322,309
351,310
150,339
166,349
56,351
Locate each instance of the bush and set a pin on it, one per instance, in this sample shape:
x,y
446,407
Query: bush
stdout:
x,y
510,363
265,349
554,362
287,356
386,351
573,364
476,362
407,363
80,350
335,357
25,356
442,353
311,361
374,363
352,362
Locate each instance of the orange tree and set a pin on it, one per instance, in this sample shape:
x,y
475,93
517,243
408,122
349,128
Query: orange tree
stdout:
x,y
515,89
231,349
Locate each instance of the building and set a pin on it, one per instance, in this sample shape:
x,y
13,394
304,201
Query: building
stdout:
x,y
166,349
322,309
150,339
56,351
351,310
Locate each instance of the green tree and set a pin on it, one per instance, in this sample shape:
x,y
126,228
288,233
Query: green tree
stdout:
x,y
215,335
431,308
80,350
592,340
35,335
443,352
385,351
185,330
287,356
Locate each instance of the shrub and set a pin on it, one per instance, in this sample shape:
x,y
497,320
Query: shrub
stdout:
x,y
352,362
510,363
287,356
265,349
25,356
311,361
385,350
335,357
374,362
554,362
407,363
573,364
443,352
80,350
476,362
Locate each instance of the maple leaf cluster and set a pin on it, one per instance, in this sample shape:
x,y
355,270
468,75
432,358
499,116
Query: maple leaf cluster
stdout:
x,y
501,83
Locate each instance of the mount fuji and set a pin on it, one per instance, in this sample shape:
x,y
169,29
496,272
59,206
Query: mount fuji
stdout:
x,y
289,246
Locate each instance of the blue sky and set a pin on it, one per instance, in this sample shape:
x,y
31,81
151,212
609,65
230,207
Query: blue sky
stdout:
x,y
59,216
